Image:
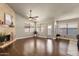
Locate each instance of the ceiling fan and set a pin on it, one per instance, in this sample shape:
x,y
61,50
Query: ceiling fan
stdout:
x,y
32,17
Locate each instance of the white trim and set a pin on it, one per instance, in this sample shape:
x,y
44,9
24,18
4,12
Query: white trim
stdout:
x,y
22,37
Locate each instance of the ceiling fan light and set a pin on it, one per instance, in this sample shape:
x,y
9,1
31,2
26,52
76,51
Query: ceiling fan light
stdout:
x,y
30,19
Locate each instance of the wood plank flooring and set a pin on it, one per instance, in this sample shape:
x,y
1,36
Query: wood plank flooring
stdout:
x,y
37,47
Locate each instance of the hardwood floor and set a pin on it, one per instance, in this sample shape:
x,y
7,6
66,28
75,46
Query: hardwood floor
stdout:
x,y
38,47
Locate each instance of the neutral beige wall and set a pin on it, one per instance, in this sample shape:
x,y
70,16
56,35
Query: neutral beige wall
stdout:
x,y
20,33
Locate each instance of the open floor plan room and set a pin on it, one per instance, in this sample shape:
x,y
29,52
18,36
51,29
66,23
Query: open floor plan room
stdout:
x,y
39,29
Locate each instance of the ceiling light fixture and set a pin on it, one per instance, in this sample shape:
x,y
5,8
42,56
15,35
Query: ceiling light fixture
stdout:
x,y
33,18
30,17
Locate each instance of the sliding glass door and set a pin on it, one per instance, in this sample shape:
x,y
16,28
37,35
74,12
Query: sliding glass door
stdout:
x,y
68,29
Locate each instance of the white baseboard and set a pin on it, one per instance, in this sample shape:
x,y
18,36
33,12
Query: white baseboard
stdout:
x,y
22,37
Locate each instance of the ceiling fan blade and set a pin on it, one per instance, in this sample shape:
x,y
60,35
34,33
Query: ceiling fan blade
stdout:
x,y
30,17
35,17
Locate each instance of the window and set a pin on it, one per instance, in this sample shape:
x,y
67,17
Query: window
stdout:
x,y
62,29
42,28
27,27
68,29
73,29
32,27
38,28
49,30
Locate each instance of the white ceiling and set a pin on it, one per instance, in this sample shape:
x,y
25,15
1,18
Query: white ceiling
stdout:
x,y
48,11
